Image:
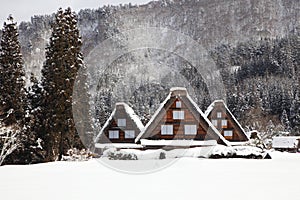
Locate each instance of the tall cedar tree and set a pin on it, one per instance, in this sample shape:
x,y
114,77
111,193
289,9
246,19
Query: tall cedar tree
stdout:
x,y
11,76
63,60
12,87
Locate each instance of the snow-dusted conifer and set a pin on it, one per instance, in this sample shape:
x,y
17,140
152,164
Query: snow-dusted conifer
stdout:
x,y
295,114
11,75
12,93
285,121
63,59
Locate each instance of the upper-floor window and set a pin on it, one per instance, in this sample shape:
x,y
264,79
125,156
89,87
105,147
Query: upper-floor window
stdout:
x,y
190,129
129,134
219,114
178,114
214,122
121,122
166,129
113,134
178,104
224,123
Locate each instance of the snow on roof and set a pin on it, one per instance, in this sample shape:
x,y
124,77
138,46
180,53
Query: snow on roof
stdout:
x,y
105,125
118,145
183,143
154,116
177,89
285,142
130,113
211,107
208,121
172,90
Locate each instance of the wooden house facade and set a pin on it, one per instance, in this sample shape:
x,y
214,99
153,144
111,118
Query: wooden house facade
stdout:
x,y
120,130
179,122
221,117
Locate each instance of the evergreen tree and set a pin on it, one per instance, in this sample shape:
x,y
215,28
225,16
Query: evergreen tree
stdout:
x,y
11,75
33,148
285,121
12,94
63,59
295,115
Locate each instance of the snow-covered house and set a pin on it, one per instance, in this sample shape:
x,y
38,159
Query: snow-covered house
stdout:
x,y
286,143
179,123
221,117
120,130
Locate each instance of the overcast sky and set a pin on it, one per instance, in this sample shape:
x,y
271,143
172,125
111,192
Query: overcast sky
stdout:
x,y
22,10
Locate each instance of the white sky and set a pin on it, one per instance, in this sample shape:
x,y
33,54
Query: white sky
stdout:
x,y
22,10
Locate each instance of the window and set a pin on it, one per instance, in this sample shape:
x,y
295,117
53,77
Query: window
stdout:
x,y
129,134
219,115
121,122
178,104
190,129
166,129
178,114
224,123
214,122
228,133
113,134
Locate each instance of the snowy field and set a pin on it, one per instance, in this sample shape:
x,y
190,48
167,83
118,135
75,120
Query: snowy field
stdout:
x,y
194,178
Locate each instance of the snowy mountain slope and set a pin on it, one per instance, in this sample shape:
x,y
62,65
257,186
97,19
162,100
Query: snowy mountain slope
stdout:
x,y
208,22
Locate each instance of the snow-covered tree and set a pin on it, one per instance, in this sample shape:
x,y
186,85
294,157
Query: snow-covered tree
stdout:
x,y
285,121
33,151
63,59
295,114
11,75
12,92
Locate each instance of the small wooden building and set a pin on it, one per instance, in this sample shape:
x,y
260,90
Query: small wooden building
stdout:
x,y
221,117
179,123
286,143
120,130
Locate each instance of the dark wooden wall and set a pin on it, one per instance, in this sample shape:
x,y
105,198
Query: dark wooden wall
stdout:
x,y
113,125
238,135
178,125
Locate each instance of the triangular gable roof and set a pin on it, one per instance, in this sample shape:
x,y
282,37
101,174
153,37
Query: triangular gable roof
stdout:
x,y
182,94
130,113
212,106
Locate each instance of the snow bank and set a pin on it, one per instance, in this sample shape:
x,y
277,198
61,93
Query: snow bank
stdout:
x,y
274,179
218,151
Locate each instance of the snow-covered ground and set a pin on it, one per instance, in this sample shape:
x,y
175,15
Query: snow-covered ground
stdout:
x,y
194,178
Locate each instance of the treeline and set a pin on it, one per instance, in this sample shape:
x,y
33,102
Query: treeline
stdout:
x,y
262,78
40,114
